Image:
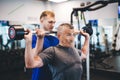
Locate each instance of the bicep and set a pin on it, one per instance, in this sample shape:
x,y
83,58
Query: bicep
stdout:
x,y
38,62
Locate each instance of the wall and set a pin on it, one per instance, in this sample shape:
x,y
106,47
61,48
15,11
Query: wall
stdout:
x,y
22,11
29,12
63,11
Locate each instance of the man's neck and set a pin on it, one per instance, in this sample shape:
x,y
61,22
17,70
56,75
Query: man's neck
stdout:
x,y
64,45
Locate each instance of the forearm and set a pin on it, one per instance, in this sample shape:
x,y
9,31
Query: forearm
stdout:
x,y
85,47
40,40
29,54
31,58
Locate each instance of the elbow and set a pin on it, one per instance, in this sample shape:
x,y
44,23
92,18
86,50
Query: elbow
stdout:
x,y
30,67
27,65
84,56
34,64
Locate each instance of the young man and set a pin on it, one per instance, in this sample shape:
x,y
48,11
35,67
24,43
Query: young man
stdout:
x,y
47,20
64,60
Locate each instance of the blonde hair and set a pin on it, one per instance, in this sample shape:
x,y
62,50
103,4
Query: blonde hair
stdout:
x,y
46,13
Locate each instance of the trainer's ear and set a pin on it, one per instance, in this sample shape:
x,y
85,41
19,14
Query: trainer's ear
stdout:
x,y
41,20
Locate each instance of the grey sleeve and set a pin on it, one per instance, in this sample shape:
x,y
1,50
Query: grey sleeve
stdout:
x,y
47,55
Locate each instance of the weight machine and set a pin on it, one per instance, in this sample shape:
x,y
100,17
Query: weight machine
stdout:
x,y
91,7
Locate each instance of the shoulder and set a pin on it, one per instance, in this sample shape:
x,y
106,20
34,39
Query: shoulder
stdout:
x,y
49,49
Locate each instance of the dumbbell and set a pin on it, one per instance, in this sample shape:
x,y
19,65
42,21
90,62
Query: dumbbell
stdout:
x,y
88,29
18,32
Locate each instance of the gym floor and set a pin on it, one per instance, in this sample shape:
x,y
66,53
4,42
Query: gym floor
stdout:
x,y
112,72
95,74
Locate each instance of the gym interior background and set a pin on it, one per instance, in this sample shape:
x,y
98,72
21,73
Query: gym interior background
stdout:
x,y
104,44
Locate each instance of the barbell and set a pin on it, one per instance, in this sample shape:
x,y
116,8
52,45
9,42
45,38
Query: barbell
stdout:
x,y
18,32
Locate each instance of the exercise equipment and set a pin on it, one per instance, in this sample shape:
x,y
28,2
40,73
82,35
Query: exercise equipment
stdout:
x,y
88,29
18,32
116,45
116,35
91,7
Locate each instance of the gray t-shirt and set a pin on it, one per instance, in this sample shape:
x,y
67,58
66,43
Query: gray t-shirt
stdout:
x,y
64,63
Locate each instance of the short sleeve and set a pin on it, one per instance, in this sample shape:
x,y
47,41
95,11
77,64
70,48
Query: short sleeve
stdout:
x,y
47,55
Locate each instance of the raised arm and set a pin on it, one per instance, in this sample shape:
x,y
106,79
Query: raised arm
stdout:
x,y
85,47
31,55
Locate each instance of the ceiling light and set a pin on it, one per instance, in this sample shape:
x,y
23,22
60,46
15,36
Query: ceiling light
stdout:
x,y
57,1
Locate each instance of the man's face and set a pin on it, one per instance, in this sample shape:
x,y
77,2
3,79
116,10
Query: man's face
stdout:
x,y
48,23
67,37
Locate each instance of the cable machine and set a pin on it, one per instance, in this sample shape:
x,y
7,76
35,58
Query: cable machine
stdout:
x,y
91,7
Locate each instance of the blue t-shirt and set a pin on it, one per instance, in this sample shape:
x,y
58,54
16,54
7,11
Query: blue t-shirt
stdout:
x,y
43,73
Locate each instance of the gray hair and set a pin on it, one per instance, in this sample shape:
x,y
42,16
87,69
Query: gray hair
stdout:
x,y
64,25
